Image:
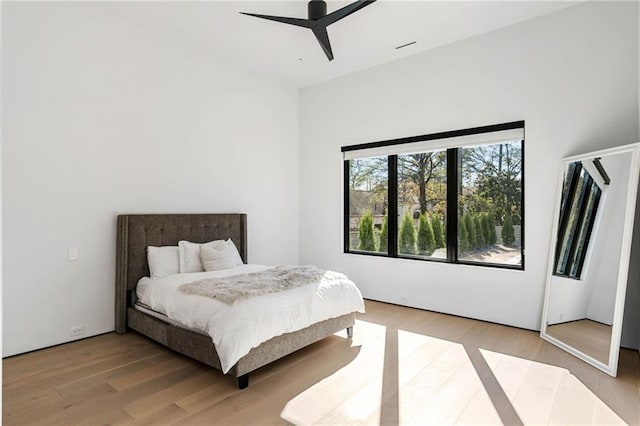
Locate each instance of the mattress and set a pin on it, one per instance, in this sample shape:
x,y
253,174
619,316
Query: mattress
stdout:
x,y
238,328
138,306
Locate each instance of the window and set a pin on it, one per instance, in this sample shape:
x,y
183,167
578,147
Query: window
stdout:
x,y
422,204
368,203
449,197
490,203
578,208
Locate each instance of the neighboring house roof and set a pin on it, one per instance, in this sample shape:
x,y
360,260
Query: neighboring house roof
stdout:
x,y
362,201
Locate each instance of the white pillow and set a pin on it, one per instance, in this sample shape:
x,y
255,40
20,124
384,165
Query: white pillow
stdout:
x,y
232,247
189,255
163,261
223,256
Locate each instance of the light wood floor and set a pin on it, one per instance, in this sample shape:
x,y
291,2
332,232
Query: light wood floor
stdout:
x,y
590,337
404,366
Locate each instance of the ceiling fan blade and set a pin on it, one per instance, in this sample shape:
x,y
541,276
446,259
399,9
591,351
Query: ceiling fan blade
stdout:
x,y
323,38
344,12
298,22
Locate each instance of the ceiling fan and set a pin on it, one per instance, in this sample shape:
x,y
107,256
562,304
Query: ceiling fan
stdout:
x,y
318,20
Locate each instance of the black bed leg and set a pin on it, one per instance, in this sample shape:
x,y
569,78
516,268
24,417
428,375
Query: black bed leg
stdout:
x,y
350,332
243,381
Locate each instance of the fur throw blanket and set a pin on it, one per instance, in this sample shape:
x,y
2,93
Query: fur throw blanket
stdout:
x,y
240,287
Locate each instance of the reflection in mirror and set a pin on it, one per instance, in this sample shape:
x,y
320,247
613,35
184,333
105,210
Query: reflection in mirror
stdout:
x,y
580,200
589,263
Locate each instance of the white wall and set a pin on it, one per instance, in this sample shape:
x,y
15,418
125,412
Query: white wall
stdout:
x,y
102,118
568,300
572,75
604,280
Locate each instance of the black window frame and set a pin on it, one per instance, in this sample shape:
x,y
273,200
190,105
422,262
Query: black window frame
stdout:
x,y
453,185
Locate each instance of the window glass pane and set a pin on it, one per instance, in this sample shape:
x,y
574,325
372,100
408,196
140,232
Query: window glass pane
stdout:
x,y
571,179
572,223
585,230
368,203
422,204
490,204
568,180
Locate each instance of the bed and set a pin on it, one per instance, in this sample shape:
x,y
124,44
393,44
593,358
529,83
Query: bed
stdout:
x,y
136,232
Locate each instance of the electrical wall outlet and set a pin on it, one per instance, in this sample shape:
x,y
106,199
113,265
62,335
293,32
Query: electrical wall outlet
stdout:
x,y
78,330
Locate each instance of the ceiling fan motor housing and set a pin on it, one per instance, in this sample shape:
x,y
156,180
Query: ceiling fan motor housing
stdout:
x,y
317,9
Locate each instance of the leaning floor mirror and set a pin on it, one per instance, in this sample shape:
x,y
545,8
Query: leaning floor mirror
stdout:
x,y
590,254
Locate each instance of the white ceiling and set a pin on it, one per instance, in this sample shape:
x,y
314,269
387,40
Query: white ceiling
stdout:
x,y
362,40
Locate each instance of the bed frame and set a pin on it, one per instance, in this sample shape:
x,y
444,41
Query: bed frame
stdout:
x,y
136,232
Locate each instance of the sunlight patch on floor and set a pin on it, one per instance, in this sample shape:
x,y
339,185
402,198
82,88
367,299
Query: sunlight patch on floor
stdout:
x,y
439,385
352,393
398,377
545,394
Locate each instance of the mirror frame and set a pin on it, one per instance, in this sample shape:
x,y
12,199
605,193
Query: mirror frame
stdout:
x,y
625,257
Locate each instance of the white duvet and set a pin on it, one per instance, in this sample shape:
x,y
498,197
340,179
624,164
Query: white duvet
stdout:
x,y
236,329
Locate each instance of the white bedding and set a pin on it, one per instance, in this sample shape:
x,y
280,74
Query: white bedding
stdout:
x,y
236,329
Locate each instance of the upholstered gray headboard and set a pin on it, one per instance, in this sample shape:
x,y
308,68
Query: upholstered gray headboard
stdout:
x,y
137,232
